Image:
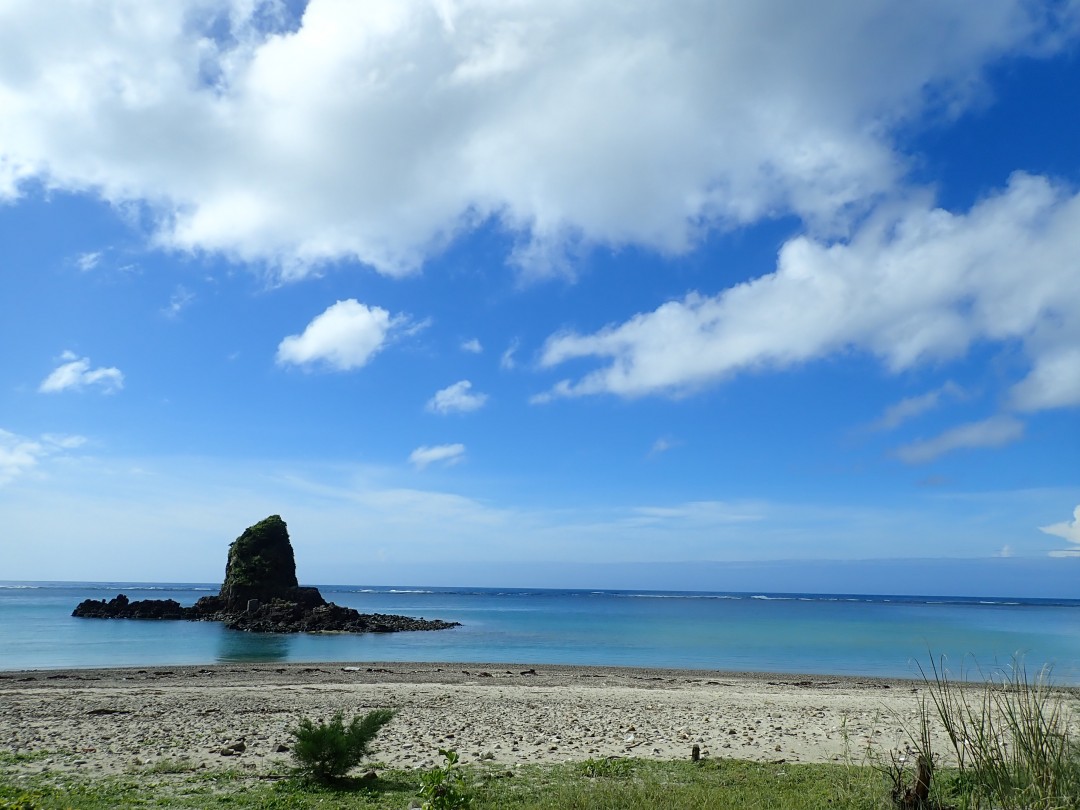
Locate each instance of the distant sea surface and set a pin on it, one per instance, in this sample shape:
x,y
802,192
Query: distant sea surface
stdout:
x,y
886,636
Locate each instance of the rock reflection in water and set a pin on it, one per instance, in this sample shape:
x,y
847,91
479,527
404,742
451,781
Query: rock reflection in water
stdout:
x,y
236,646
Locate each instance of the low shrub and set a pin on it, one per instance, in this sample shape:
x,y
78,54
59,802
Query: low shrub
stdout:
x,y
327,751
445,787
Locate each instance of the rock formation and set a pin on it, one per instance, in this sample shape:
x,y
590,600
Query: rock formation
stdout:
x,y
120,607
262,595
260,570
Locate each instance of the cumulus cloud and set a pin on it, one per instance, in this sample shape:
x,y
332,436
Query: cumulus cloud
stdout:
x,y
910,287
472,346
1067,530
456,398
912,407
74,374
344,337
19,455
993,432
445,454
378,131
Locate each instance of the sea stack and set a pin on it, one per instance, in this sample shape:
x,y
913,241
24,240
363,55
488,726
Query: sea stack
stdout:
x,y
260,569
261,565
261,594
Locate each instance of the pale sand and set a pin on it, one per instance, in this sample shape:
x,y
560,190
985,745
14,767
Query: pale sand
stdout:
x,y
108,721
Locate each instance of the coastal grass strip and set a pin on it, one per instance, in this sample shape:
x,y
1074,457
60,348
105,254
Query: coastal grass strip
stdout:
x,y
632,784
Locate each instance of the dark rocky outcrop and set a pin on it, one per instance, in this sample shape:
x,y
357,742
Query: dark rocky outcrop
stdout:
x,y
289,617
261,594
120,607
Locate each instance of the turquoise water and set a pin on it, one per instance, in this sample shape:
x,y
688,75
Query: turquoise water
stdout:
x,y
790,633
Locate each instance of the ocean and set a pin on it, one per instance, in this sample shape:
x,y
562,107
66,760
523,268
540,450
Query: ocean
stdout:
x,y
823,634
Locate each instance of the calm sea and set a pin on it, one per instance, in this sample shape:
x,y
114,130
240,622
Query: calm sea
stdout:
x,y
760,632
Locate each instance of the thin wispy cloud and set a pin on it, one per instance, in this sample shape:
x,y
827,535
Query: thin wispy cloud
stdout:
x,y
663,445
180,299
443,454
88,261
508,359
997,431
907,409
20,455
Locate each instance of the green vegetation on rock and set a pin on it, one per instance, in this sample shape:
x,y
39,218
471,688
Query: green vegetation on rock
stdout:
x,y
261,564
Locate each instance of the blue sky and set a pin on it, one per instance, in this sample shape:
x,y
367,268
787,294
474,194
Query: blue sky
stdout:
x,y
475,292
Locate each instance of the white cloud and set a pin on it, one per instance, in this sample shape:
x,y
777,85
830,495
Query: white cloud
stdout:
x,y
912,407
912,286
344,337
456,398
993,432
377,131
1067,530
472,346
19,455
75,374
1054,382
446,454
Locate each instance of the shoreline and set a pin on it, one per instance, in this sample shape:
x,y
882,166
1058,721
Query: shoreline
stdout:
x,y
97,722
439,670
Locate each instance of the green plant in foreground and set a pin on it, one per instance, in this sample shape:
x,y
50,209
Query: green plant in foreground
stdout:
x,y
445,787
608,767
23,802
1012,743
327,751
712,784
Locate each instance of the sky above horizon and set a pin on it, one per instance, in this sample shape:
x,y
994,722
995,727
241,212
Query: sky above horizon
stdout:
x,y
454,283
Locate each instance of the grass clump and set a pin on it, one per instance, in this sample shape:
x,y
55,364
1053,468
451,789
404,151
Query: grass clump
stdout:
x,y
606,768
327,751
1011,740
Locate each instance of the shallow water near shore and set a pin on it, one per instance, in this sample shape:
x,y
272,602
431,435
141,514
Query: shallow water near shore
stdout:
x,y
884,636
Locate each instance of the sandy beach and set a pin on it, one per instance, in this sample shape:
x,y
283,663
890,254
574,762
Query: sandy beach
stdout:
x,y
239,716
